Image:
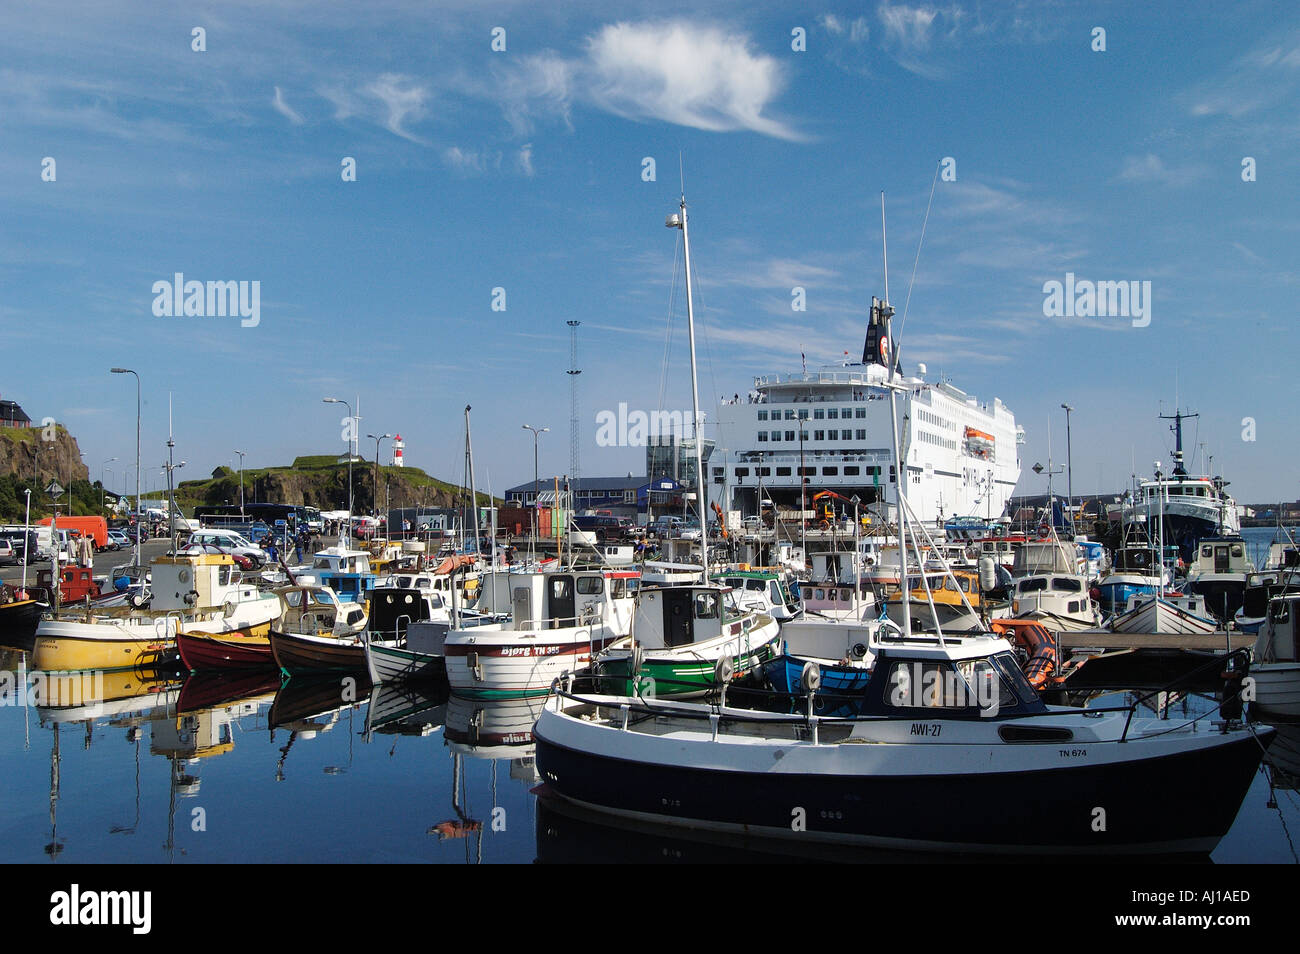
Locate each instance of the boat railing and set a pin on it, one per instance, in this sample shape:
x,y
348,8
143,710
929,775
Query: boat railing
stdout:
x,y
716,711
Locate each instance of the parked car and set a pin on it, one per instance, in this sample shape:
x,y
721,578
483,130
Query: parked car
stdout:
x,y
229,542
606,528
8,553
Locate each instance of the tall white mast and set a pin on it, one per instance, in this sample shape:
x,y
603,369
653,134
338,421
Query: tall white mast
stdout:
x,y
900,475
679,222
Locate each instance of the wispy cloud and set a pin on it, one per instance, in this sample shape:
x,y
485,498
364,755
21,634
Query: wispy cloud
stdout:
x,y
284,109
1151,168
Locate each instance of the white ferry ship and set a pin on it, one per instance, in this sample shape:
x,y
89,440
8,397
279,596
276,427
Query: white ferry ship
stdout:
x,y
833,426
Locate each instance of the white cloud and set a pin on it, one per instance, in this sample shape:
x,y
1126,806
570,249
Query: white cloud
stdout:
x,y
909,27
284,109
402,99
691,75
699,76
525,159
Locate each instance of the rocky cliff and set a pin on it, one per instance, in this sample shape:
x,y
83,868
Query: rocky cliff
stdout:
x,y
26,451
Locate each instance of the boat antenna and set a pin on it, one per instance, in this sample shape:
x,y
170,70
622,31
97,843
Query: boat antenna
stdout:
x,y
902,324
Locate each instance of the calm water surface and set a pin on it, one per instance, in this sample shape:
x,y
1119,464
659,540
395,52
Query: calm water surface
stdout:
x,y
220,770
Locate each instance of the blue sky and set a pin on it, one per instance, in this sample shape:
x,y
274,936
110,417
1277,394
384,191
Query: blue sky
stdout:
x,y
522,169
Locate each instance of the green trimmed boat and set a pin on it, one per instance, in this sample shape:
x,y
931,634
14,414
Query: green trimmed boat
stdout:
x,y
680,635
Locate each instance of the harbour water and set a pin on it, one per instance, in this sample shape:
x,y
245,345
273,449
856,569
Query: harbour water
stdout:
x,y
166,770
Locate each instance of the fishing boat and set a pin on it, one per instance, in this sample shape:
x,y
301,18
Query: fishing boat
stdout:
x,y
190,592
1275,666
343,570
1219,574
1061,601
950,599
559,621
20,612
951,734
318,631
1169,612
681,634
762,590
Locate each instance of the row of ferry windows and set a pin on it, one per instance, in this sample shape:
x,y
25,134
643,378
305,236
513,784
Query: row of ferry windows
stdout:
x,y
848,471
935,439
844,435
818,414
925,417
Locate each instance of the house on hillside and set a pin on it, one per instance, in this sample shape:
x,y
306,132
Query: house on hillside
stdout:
x,y
12,415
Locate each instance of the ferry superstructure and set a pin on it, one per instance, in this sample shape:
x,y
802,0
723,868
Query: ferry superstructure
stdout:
x,y
833,426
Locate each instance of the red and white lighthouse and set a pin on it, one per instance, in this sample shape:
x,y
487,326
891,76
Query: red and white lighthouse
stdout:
x,y
398,446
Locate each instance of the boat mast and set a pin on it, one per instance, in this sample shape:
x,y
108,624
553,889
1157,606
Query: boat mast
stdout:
x,y
469,463
678,221
886,313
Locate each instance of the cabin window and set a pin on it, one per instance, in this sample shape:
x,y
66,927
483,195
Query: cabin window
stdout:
x,y
982,677
819,435
803,414
706,605
819,594
1280,611
789,435
756,585
1236,550
851,471
832,594
859,412
590,585
1032,585
830,471
742,471
862,435
618,588
928,685
789,414
783,471
1014,677
1066,584
762,415
765,471
819,414
832,413
832,435
1207,551
762,437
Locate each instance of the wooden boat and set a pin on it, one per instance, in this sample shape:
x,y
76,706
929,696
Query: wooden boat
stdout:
x,y
18,621
213,652
317,631
1171,613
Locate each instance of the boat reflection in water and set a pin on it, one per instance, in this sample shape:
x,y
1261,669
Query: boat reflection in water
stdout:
x,y
495,729
402,708
311,705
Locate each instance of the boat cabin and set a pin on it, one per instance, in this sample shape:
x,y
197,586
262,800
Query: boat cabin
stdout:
x,y
75,583
308,610
763,591
957,677
1277,638
1060,594
196,581
564,599
670,616
1045,556
1221,555
347,572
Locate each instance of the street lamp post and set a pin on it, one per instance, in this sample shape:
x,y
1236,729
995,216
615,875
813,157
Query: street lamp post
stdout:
x,y
241,483
537,432
137,458
378,438
346,537
104,469
1069,460
27,539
